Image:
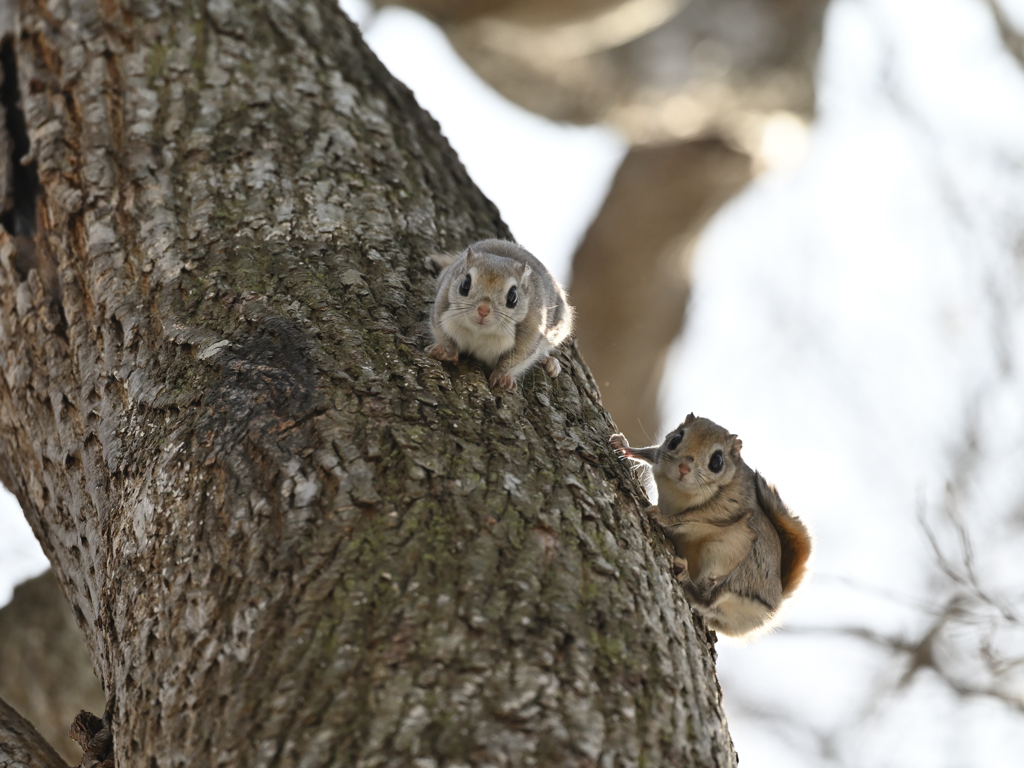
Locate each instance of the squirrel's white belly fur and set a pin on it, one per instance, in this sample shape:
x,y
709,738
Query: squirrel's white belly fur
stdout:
x,y
484,342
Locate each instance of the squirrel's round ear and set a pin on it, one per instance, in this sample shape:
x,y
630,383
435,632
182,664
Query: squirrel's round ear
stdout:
x,y
737,444
689,418
525,274
470,255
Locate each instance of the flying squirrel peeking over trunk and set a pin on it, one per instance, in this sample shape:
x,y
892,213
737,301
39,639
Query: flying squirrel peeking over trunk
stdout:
x,y
739,549
497,302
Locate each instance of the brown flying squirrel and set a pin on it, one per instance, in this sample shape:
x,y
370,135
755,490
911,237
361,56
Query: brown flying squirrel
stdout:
x,y
498,303
740,550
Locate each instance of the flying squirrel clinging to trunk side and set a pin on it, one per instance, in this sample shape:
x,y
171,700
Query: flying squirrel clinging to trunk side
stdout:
x,y
739,549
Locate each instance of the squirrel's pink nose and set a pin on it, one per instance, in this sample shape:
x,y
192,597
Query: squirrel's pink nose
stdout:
x,y
684,469
483,310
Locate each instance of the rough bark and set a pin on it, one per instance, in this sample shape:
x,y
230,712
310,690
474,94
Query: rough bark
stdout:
x,y
288,536
45,672
631,273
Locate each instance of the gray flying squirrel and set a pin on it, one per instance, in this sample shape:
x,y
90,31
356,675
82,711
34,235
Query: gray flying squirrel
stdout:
x,y
741,552
497,302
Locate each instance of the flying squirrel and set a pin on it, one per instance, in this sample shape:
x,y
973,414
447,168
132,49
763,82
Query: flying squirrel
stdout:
x,y
739,549
497,302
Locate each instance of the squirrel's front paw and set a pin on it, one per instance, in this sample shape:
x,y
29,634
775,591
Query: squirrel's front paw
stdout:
x,y
618,442
552,367
501,382
441,352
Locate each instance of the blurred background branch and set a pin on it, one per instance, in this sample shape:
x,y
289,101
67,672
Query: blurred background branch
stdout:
x,y
1012,39
45,672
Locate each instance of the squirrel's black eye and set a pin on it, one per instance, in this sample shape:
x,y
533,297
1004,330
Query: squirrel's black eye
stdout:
x,y
512,298
675,441
464,288
717,462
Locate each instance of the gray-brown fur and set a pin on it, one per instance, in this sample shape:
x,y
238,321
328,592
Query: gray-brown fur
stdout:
x,y
741,551
794,537
480,322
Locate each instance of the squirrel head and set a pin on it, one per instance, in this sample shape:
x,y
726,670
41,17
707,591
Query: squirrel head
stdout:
x,y
696,459
488,293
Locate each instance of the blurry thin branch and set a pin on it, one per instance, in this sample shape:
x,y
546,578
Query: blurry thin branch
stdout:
x,y
960,641
1013,40
923,653
959,567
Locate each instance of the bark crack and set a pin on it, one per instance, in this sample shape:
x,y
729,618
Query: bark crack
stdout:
x,y
19,211
20,191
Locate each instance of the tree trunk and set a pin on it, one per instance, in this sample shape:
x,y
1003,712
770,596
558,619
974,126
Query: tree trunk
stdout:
x,y
288,535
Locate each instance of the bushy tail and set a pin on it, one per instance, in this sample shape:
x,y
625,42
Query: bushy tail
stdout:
x,y
793,535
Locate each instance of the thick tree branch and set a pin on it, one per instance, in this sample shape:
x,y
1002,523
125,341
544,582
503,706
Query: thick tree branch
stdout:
x,y
21,745
631,273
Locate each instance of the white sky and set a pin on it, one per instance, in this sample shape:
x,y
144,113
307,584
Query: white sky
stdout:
x,y
841,323
20,555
